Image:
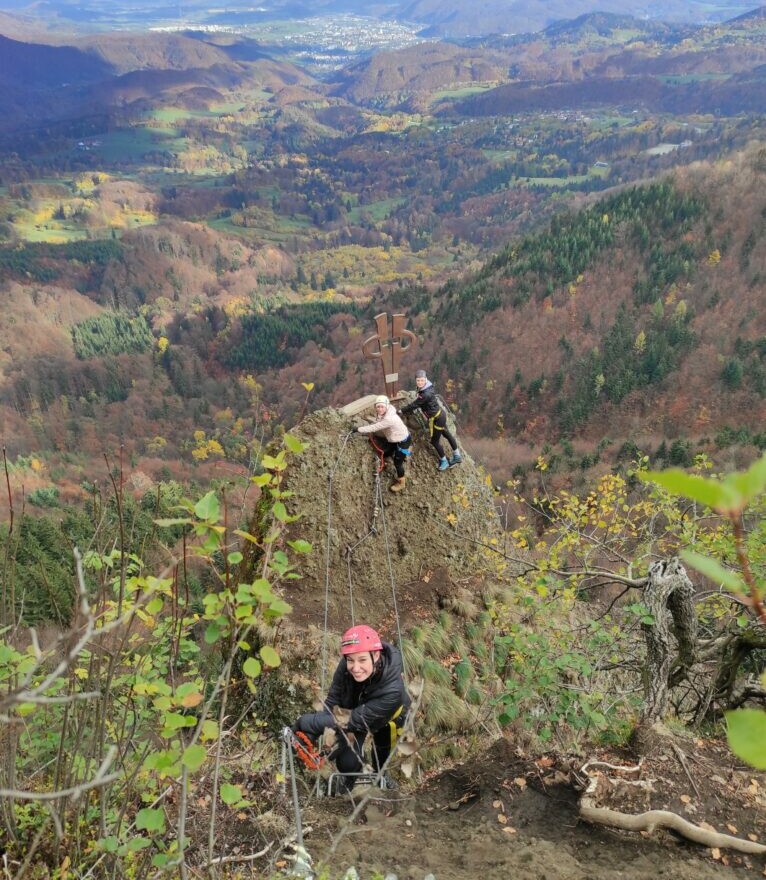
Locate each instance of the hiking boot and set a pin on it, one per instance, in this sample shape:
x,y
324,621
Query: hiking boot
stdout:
x,y
443,464
456,458
398,484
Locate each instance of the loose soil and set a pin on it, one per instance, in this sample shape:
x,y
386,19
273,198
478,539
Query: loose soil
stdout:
x,y
505,814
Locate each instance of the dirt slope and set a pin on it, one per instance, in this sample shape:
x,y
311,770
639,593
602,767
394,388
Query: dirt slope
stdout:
x,y
503,814
438,522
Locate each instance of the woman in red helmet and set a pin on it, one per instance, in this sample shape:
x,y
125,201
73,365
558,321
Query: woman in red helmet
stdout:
x,y
368,681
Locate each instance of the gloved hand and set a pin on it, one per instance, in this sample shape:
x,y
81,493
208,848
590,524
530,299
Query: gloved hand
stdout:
x,y
355,429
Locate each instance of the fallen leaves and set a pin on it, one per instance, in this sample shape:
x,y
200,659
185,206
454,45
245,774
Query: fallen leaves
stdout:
x,y
719,856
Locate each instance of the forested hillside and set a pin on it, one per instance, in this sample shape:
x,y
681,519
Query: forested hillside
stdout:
x,y
197,231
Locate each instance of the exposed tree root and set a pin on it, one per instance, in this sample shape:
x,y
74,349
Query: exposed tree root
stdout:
x,y
650,820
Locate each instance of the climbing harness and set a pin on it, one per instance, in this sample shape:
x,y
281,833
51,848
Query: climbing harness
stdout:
x,y
432,426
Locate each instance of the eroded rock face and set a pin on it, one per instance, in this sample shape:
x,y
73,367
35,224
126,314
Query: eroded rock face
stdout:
x,y
387,538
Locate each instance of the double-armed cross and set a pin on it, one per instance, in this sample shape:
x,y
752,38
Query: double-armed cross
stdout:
x,y
388,345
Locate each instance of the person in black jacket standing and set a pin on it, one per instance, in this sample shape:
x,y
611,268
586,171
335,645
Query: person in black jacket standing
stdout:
x,y
428,401
369,682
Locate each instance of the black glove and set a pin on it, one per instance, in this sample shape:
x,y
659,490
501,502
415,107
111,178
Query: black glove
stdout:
x,y
355,430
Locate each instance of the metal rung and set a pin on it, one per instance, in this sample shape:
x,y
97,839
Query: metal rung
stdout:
x,y
364,778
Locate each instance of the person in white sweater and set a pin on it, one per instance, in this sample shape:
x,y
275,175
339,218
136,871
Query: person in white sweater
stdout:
x,y
392,438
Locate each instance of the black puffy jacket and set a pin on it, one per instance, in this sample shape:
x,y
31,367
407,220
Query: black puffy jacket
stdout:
x,y
373,702
427,400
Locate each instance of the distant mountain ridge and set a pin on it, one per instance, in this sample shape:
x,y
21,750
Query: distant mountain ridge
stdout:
x,y
436,18
93,74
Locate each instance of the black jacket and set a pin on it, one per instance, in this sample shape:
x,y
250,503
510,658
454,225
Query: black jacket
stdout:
x,y
427,400
375,700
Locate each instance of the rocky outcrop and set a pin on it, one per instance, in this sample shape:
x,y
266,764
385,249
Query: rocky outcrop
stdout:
x,y
367,541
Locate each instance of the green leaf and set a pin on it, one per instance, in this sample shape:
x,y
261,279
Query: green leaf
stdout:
x,y
246,535
280,511
135,844
293,443
235,558
300,546
261,480
262,590
280,607
108,844
230,794
150,819
723,497
270,656
746,731
252,667
165,763
714,570
752,482
209,730
194,757
208,508
155,605
212,634
175,721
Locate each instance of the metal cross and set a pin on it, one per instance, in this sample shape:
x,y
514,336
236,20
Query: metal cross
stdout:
x,y
389,347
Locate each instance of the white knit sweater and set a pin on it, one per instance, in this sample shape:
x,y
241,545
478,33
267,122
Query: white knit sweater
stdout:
x,y
390,426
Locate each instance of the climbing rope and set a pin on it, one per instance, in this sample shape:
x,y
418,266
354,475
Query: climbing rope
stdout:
x,y
373,530
302,862
377,507
391,578
330,478
287,739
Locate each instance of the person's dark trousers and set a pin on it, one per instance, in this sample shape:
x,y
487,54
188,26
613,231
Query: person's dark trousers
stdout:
x,y
349,759
439,429
395,451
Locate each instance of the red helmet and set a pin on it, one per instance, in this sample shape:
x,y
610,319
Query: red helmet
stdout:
x,y
360,638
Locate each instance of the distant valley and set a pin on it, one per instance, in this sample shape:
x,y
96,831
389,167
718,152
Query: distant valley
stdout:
x,y
197,225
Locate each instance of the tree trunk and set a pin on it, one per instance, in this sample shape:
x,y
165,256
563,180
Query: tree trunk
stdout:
x,y
668,596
